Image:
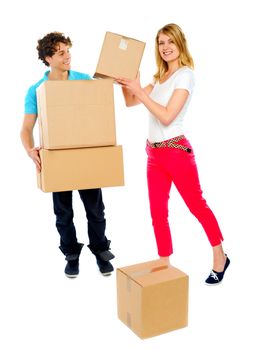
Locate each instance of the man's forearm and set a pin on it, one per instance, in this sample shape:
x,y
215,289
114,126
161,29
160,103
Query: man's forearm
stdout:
x,y
27,140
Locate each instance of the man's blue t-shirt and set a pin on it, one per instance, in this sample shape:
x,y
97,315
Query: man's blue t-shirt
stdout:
x,y
31,97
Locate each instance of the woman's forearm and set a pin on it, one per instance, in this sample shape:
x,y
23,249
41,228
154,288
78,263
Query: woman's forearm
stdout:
x,y
165,114
130,98
159,111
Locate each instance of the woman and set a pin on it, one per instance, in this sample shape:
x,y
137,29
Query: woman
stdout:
x,y
170,155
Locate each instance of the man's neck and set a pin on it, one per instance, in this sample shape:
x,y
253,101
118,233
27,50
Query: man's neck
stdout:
x,y
58,75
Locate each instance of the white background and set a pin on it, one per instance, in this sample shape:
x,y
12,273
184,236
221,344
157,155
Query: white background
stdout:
x,y
39,307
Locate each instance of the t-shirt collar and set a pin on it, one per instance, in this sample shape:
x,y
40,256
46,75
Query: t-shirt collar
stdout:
x,y
48,71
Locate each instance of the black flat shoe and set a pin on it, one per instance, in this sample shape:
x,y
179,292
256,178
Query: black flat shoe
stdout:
x,y
217,277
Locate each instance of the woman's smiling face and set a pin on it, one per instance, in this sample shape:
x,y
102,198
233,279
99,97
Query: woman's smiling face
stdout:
x,y
167,48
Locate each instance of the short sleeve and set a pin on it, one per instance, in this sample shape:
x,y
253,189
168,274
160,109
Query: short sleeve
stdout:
x,y
185,80
73,75
30,106
86,77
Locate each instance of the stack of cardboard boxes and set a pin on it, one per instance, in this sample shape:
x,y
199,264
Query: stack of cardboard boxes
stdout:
x,y
78,136
77,123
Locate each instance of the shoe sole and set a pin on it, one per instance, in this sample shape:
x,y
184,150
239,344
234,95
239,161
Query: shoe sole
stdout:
x,y
71,276
213,284
106,273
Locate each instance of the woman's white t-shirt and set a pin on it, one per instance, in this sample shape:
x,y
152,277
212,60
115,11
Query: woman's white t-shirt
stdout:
x,y
183,78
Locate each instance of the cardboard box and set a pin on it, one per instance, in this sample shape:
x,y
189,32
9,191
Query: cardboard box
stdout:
x,y
120,57
76,113
81,168
152,298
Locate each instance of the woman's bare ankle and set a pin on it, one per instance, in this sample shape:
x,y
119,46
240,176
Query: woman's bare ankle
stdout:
x,y
219,258
165,259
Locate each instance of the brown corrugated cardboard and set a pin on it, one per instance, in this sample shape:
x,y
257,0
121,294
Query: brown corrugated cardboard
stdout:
x,y
120,57
152,298
76,113
81,168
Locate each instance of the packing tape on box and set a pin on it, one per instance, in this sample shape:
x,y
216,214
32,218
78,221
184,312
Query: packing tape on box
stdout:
x,y
129,319
144,272
123,43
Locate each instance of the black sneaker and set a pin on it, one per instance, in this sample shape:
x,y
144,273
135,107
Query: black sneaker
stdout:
x,y
105,267
217,277
72,268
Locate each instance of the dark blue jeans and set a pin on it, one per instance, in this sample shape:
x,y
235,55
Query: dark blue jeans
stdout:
x,y
94,208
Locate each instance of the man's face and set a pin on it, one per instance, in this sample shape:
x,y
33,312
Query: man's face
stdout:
x,y
61,59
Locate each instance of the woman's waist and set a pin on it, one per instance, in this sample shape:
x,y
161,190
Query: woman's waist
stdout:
x,y
159,133
179,142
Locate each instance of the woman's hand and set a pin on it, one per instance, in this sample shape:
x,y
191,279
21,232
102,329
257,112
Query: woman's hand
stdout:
x,y
134,86
132,90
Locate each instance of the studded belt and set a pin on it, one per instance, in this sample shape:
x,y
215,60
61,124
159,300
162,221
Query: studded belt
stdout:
x,y
172,143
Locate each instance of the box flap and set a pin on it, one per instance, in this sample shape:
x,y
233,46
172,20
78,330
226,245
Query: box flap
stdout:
x,y
152,272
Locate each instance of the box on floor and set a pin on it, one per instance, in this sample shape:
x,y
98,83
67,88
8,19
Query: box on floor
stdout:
x,y
152,298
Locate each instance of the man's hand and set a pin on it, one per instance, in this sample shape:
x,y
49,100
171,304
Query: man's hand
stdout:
x,y
33,153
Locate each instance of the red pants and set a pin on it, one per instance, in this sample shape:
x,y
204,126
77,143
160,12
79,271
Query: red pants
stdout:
x,y
167,165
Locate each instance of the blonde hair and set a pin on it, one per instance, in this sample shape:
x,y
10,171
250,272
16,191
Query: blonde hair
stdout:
x,y
176,34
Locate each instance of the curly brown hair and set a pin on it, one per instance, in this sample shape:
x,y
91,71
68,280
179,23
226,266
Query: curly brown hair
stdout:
x,y
47,46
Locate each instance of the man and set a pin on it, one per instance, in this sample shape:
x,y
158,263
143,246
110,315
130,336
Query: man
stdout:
x,y
54,51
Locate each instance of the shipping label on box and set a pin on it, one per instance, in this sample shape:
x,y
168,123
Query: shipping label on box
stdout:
x,y
76,113
120,57
152,298
81,168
